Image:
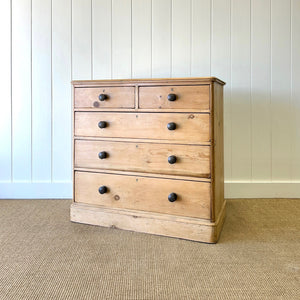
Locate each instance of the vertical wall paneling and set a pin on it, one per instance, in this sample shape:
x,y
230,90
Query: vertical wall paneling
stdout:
x,y
253,45
61,91
21,90
101,36
281,90
181,38
81,39
221,67
240,85
161,38
121,39
41,90
5,79
295,99
141,38
261,89
201,38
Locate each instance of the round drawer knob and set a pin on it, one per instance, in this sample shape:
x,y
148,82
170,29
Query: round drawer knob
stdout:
x,y
171,126
172,97
172,197
172,159
102,97
102,189
102,155
102,124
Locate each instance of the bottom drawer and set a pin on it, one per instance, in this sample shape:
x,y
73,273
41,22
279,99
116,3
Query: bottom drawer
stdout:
x,y
144,193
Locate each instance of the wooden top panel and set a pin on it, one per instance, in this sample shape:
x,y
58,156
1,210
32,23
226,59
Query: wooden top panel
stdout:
x,y
151,81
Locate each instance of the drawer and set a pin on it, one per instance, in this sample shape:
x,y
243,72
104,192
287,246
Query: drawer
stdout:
x,y
144,193
143,157
192,128
104,97
180,97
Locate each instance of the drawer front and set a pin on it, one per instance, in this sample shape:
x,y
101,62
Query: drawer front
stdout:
x,y
144,193
143,157
104,97
180,97
193,128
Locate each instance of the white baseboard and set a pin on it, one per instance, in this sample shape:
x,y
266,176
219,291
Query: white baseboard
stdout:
x,y
237,189
36,190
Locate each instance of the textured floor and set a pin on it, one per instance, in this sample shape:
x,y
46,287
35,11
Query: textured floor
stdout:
x,y
44,256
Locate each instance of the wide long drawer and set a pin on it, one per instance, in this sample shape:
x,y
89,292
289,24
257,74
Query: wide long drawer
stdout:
x,y
144,193
104,97
143,157
177,97
192,128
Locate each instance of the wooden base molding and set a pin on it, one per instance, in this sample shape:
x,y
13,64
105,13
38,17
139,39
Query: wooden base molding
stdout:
x,y
154,223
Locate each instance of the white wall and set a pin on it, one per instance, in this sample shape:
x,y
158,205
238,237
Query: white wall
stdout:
x,y
253,45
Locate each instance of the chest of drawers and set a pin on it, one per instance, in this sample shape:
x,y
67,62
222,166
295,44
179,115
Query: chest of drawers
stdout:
x,y
148,156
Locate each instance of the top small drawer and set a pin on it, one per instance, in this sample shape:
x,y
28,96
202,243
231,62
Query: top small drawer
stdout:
x,y
177,97
104,97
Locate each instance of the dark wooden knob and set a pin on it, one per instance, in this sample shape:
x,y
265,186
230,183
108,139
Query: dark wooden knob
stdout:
x,y
172,159
102,124
172,197
102,189
172,97
171,126
102,97
102,155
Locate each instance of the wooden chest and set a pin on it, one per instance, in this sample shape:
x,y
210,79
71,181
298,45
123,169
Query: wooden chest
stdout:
x,y
148,156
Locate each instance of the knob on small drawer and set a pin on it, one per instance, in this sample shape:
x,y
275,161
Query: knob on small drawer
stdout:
x,y
172,159
102,97
102,189
102,155
102,124
172,197
171,126
172,97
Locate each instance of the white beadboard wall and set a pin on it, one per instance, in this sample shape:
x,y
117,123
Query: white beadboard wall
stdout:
x,y
253,45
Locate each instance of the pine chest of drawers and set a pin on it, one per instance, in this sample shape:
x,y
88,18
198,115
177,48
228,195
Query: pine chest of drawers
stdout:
x,y
148,156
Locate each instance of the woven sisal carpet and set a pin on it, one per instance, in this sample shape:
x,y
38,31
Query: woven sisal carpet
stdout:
x,y
44,256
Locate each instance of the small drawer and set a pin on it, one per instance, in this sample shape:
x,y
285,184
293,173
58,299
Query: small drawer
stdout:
x,y
190,198
177,97
104,97
143,157
183,127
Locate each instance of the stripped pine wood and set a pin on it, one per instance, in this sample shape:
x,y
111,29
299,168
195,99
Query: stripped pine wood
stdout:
x,y
143,157
189,127
144,193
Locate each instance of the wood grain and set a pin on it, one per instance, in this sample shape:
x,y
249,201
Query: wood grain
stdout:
x,y
217,152
143,157
117,97
195,97
190,127
144,193
149,222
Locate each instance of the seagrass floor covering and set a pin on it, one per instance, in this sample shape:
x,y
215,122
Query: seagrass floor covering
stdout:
x,y
45,256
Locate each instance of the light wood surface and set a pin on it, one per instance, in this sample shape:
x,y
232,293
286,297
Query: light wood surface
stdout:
x,y
217,151
190,127
143,157
149,81
144,174
149,222
117,97
195,97
137,144
144,193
